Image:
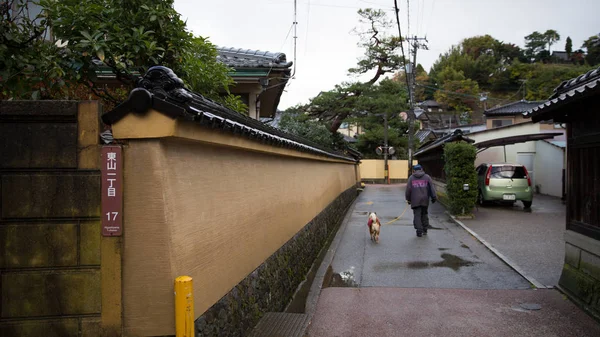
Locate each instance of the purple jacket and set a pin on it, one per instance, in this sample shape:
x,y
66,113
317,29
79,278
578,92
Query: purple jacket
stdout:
x,y
419,189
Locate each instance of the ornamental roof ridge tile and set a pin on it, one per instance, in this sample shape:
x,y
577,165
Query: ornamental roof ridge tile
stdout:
x,y
163,91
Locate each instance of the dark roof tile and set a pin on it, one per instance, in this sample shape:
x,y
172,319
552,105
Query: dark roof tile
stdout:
x,y
248,58
457,135
511,109
575,88
162,90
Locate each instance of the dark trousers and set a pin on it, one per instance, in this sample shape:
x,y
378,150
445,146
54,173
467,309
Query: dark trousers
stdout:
x,y
421,218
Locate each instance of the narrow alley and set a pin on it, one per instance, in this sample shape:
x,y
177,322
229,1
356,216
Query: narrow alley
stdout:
x,y
444,283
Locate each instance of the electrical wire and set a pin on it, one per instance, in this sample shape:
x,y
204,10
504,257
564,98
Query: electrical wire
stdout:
x,y
325,5
460,93
402,47
307,22
430,17
408,17
287,36
422,16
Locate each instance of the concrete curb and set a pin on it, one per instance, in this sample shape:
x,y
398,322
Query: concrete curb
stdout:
x,y
317,284
502,257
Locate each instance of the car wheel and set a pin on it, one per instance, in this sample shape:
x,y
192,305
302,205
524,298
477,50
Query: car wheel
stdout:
x,y
527,204
480,199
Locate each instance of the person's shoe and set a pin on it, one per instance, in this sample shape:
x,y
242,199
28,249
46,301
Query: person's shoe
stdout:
x,y
419,234
424,232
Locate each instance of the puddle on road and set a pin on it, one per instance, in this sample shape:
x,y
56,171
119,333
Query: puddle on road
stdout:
x,y
442,249
449,261
362,213
343,279
465,246
453,262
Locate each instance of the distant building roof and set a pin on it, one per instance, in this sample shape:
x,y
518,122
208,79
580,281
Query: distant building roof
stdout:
x,y
466,129
273,121
561,55
511,109
350,139
582,86
429,104
457,135
248,58
423,134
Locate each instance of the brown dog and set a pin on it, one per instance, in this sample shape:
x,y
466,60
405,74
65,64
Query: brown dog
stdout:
x,y
374,226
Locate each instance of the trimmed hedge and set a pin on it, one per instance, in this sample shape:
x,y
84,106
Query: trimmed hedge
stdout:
x,y
460,169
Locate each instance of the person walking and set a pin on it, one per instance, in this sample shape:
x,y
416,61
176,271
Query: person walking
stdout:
x,y
419,189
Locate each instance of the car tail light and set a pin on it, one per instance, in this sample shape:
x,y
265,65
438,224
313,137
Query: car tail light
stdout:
x,y
527,174
487,176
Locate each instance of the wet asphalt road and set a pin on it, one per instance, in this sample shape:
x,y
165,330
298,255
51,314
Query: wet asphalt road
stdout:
x,y
444,284
533,240
446,258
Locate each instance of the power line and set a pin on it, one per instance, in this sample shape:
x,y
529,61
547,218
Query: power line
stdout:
x,y
462,94
325,5
287,36
307,22
422,16
430,17
408,17
401,45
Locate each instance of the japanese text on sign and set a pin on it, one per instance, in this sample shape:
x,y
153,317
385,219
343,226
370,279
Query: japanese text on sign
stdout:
x,y
112,191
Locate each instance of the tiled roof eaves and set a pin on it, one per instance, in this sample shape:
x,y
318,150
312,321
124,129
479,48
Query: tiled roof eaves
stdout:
x,y
162,90
511,109
247,58
591,76
581,91
578,87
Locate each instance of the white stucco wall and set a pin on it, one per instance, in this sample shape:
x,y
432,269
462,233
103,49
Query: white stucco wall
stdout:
x,y
545,169
549,161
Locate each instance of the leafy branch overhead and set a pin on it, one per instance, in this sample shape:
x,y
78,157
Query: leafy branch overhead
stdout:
x,y
381,57
122,37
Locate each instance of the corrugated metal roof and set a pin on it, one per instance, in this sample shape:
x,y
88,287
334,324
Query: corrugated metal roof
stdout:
x,y
581,86
163,91
514,108
423,134
559,143
515,139
248,58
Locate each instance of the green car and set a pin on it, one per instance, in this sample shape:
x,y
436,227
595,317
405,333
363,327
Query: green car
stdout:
x,y
504,183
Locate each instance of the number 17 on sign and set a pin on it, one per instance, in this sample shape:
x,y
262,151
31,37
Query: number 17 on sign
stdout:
x,y
112,190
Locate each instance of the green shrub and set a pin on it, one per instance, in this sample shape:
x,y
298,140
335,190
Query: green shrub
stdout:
x,y
460,169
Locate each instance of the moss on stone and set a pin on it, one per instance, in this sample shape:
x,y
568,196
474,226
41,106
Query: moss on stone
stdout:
x,y
273,284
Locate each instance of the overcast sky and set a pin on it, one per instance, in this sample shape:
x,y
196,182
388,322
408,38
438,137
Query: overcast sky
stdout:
x,y
326,46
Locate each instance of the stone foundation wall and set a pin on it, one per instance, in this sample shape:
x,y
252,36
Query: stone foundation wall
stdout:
x,y
50,277
580,277
272,285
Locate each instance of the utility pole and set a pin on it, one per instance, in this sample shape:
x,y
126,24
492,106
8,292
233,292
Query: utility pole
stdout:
x,y
414,45
386,148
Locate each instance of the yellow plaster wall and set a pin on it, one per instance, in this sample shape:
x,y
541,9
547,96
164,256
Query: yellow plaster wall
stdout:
x,y
212,212
374,169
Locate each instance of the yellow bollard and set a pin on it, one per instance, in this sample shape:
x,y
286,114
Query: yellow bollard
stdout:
x,y
184,307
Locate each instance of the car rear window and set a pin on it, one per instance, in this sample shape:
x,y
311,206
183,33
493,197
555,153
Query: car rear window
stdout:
x,y
508,172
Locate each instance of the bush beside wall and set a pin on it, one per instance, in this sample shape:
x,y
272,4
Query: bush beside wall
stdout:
x,y
460,169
